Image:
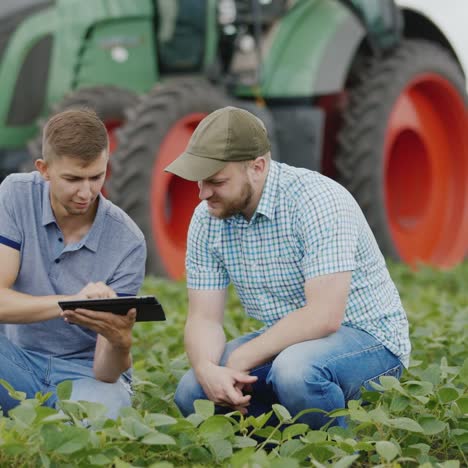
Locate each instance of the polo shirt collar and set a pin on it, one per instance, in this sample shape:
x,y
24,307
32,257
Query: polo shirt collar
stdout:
x,y
48,216
91,239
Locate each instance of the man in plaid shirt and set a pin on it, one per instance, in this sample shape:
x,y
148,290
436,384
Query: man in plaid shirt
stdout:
x,y
303,260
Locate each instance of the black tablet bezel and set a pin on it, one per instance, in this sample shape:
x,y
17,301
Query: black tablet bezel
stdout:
x,y
148,308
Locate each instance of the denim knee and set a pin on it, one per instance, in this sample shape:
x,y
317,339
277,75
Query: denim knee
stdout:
x,y
288,372
112,395
188,390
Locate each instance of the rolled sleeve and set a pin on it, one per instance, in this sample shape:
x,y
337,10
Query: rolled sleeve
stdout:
x,y
204,269
330,229
10,232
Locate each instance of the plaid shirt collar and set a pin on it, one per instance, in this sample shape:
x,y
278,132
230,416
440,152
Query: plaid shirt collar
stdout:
x,y
268,201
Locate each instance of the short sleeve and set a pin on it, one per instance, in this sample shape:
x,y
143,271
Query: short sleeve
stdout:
x,y
10,231
330,224
129,275
204,269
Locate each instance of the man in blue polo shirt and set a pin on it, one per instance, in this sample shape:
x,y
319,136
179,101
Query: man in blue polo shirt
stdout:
x,y
304,261
61,239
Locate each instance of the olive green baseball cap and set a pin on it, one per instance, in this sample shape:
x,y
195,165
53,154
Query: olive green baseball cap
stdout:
x,y
226,135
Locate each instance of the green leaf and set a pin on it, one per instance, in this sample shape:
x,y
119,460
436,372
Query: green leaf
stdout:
x,y
221,449
12,392
282,413
261,420
269,432
204,408
284,462
99,460
387,450
72,446
313,437
449,464
460,435
215,428
321,453
291,447
158,420
388,383
364,446
417,388
64,390
158,438
295,430
135,428
44,460
406,424
26,414
431,425
346,461
447,394
399,403
462,403
195,419
243,442
241,458
463,374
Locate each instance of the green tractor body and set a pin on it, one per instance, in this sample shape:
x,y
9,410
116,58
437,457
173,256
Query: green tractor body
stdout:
x,y
49,48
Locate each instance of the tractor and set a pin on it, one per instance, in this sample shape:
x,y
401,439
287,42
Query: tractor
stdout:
x,y
368,92
371,93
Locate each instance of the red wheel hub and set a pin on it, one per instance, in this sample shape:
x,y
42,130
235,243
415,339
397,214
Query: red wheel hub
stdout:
x,y
173,199
426,173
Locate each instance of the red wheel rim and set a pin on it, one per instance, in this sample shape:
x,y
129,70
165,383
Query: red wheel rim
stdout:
x,y
111,127
173,199
426,173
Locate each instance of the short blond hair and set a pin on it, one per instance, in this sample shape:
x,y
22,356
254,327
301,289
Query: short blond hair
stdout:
x,y
77,133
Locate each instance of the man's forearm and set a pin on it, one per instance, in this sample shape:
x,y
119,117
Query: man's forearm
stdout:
x,y
204,342
17,307
110,360
298,326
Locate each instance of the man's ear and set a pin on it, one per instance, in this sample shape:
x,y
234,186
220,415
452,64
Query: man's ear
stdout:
x,y
42,167
259,165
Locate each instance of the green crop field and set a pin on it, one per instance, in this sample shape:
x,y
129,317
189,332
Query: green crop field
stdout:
x,y
420,421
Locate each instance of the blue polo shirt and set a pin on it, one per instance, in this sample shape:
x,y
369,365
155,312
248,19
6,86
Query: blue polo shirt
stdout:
x,y
113,251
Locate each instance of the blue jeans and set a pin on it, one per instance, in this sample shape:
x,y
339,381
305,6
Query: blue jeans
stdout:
x,y
323,373
31,372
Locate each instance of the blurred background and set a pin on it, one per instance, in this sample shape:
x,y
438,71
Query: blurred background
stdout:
x,y
372,93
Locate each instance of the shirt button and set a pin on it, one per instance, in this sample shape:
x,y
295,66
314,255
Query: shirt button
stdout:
x,y
57,260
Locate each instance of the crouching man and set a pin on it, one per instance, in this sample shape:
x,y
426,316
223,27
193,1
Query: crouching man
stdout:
x,y
303,260
60,239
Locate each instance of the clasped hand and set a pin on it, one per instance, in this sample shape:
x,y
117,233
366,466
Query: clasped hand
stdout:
x,y
225,386
117,329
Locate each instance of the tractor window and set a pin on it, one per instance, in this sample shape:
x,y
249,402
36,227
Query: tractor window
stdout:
x,y
181,34
13,13
11,7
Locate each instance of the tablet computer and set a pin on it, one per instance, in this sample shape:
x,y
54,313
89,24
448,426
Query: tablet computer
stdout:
x,y
147,307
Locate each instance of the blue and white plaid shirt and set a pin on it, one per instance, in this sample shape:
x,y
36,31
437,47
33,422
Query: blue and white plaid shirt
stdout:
x,y
305,225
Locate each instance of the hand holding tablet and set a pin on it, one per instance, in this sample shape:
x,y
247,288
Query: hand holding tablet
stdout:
x,y
147,307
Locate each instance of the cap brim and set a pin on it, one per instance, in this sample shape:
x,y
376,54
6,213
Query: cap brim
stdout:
x,y
191,167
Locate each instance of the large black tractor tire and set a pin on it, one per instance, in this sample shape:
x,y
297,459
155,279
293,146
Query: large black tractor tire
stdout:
x,y
109,103
402,153
138,167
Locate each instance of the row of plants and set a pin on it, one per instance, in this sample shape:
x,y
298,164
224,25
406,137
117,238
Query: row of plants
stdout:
x,y
421,420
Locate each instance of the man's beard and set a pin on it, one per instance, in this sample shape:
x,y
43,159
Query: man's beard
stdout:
x,y
234,207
